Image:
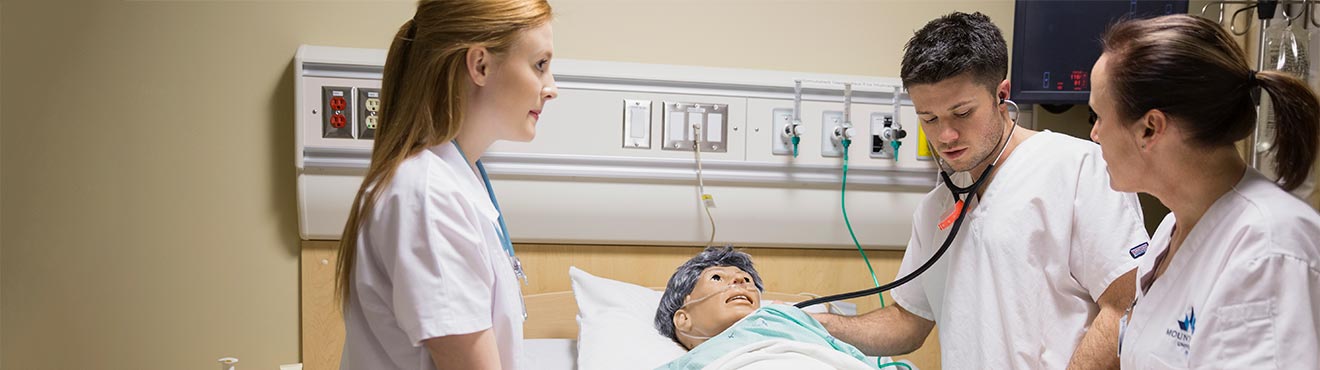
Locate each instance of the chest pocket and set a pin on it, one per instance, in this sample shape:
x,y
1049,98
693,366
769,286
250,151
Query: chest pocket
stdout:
x,y
1248,337
1012,231
1159,363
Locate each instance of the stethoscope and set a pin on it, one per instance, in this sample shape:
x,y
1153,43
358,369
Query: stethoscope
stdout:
x,y
961,196
505,241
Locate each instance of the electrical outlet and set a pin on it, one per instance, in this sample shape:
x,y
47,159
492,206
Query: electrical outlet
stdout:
x,y
335,103
368,112
779,139
829,122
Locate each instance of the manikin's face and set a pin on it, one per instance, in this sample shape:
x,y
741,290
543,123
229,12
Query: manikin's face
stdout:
x,y
729,295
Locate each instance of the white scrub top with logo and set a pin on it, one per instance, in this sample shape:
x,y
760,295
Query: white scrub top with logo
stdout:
x,y
430,264
1017,288
1243,291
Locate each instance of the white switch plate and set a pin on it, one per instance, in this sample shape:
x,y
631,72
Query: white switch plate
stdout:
x,y
679,132
637,124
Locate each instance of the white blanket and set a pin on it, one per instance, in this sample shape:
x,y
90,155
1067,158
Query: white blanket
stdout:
x,y
786,354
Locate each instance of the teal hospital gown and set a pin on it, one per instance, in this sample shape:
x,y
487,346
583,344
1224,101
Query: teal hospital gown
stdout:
x,y
775,321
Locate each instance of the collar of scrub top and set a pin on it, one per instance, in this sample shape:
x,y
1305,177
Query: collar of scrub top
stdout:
x,y
504,230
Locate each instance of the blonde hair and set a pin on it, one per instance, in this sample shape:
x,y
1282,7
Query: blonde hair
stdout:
x,y
423,91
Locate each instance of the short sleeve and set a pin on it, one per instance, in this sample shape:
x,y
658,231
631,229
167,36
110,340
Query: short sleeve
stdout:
x,y
1108,230
1261,314
441,273
912,295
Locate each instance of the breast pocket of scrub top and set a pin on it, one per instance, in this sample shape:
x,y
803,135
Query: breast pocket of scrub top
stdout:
x,y
1013,231
1159,363
1247,339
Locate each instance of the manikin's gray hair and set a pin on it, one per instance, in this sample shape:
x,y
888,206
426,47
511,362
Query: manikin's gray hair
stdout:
x,y
685,279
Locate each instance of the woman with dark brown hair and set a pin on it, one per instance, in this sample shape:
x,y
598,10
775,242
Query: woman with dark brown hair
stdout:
x,y
1231,278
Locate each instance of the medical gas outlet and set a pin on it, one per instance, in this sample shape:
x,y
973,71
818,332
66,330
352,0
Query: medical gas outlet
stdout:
x,y
834,129
886,136
788,132
844,135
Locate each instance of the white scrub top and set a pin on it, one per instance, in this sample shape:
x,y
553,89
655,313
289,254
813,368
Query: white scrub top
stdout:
x,y
430,264
1243,291
1017,288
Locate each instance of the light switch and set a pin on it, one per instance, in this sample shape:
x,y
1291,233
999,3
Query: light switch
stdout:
x,y
715,127
675,125
637,124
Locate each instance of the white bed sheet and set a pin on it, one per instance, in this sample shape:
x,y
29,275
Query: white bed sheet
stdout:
x,y
551,354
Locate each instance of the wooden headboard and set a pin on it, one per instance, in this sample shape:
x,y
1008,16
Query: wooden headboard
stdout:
x,y
552,310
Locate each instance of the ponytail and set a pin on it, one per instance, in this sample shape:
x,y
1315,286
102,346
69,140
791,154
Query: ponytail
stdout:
x,y
423,93
1296,128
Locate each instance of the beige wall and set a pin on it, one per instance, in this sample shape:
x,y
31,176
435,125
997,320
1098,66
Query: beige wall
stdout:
x,y
148,210
848,37
148,177
1,189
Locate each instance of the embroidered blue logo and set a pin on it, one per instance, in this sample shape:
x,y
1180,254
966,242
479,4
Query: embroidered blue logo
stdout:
x,y
1138,251
1182,336
1188,323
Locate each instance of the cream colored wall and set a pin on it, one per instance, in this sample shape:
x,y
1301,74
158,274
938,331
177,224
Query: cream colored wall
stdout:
x,y
2,356
147,151
148,177
846,37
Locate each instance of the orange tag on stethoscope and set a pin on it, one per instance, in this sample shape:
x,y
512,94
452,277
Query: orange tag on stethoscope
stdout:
x,y
953,216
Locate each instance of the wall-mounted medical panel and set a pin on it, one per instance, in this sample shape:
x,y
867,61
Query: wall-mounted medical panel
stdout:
x,y
598,171
586,122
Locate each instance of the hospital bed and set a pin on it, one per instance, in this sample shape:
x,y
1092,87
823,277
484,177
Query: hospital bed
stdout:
x,y
554,335
553,329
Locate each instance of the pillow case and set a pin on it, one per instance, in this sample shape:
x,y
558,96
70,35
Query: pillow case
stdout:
x,y
616,325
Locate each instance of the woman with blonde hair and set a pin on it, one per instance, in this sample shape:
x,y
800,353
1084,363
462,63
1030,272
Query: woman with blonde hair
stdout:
x,y
426,272
1231,278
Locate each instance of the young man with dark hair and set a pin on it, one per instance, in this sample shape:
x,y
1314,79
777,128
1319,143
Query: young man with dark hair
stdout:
x,y
1040,271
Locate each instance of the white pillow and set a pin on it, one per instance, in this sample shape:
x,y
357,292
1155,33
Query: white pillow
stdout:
x,y
616,325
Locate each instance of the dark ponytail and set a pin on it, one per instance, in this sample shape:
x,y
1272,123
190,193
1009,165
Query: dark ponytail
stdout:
x,y
1296,128
1190,68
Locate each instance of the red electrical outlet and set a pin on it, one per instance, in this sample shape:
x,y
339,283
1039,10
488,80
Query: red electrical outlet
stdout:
x,y
338,120
337,105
